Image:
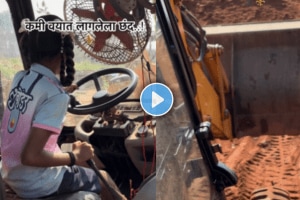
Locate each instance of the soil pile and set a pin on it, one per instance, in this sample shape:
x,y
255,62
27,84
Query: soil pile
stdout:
x,y
262,162
214,12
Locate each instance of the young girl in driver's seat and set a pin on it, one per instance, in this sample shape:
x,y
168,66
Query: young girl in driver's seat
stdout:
x,y
32,163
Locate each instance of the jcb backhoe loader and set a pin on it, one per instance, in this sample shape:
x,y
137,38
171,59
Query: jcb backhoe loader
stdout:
x,y
193,70
186,164
256,109
186,159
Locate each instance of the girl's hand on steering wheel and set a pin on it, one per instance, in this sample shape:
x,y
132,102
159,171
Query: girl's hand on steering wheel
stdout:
x,y
71,88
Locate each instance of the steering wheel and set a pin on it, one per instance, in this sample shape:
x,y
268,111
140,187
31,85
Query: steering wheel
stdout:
x,y
102,100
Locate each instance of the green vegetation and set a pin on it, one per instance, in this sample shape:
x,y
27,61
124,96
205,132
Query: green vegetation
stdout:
x,y
89,66
9,66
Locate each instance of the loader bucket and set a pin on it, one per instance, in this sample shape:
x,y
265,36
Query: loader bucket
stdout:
x,y
262,62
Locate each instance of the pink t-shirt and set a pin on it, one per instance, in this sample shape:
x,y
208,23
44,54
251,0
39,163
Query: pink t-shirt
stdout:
x,y
35,100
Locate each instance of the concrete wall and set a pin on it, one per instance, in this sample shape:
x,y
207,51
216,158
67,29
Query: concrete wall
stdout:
x,y
264,70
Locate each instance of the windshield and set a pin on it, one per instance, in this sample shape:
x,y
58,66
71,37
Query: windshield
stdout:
x,y
85,62
181,172
10,61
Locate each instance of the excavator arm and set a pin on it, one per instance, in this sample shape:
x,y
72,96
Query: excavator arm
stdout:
x,y
211,81
197,66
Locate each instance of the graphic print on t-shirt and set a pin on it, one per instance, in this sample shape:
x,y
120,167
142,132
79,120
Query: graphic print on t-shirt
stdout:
x,y
17,102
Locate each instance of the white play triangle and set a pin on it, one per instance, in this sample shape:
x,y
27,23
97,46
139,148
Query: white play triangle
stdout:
x,y
156,99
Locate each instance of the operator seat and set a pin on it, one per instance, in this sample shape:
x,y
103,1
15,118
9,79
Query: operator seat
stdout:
x,y
8,194
81,195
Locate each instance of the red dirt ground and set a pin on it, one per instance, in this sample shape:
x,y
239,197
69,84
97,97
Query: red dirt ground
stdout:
x,y
264,161
212,12
261,162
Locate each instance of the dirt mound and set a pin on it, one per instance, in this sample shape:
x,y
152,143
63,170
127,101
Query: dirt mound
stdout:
x,y
264,161
213,12
261,162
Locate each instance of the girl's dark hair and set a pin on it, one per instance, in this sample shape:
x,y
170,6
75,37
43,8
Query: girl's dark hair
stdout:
x,y
38,45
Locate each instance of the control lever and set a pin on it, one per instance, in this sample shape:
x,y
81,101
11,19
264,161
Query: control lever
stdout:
x,y
116,194
221,175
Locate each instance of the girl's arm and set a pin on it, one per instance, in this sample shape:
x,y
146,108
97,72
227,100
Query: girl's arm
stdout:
x,y
33,153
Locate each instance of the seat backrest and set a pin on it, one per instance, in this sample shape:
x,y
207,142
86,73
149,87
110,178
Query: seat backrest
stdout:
x,y
2,191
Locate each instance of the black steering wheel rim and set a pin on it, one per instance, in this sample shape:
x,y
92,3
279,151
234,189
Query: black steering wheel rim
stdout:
x,y
95,107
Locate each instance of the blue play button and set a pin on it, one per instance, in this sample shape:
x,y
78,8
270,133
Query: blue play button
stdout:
x,y
156,99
